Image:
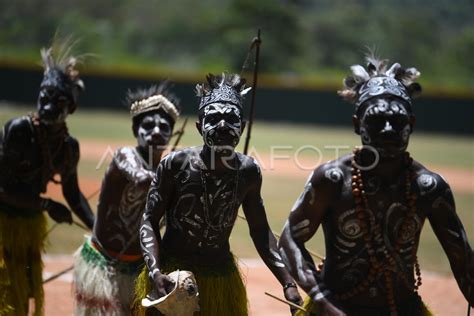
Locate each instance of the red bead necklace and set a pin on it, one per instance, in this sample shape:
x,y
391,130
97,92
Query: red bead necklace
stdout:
x,y
388,263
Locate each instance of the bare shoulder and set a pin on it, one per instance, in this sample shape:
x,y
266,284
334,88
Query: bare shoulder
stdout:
x,y
73,143
332,173
125,153
428,183
249,165
19,128
182,159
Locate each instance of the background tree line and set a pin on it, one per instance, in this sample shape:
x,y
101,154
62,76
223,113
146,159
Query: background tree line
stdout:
x,y
316,40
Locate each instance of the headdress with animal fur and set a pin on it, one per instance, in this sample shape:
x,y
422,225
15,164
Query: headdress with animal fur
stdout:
x,y
156,97
376,80
224,88
60,69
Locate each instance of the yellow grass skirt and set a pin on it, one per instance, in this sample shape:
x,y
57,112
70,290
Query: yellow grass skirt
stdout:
x,y
221,289
312,309
21,244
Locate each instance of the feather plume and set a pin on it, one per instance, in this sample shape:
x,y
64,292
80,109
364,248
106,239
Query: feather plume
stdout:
x,y
59,56
393,70
378,68
215,81
359,74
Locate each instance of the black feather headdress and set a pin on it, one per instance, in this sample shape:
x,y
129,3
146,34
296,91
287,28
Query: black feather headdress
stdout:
x,y
60,69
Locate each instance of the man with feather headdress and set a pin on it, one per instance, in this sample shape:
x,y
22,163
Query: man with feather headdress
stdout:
x,y
372,205
108,263
200,189
37,149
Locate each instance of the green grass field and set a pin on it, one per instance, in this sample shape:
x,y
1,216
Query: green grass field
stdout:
x,y
279,191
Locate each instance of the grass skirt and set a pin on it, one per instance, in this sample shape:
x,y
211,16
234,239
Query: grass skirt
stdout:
x,y
415,308
221,289
21,243
103,286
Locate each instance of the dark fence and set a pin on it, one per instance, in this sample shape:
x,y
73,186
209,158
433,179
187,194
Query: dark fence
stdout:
x,y
435,114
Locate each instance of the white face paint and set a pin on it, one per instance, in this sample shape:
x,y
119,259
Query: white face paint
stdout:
x,y
221,126
385,125
153,130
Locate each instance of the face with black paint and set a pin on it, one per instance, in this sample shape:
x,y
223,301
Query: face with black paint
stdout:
x,y
54,104
153,129
221,126
385,123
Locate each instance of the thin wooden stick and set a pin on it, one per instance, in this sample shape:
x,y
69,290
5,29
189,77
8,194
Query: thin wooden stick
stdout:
x,y
93,194
81,226
57,275
287,302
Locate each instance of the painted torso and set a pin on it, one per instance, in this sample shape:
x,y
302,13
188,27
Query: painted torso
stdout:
x,y
200,226
121,202
347,263
31,161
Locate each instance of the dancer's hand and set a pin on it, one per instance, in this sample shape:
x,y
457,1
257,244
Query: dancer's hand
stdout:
x,y
57,211
163,285
292,295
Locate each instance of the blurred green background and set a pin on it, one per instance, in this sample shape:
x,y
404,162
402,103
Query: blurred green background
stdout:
x,y
313,40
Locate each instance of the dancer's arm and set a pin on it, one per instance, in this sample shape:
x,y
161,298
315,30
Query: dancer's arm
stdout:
x,y
305,217
450,233
264,240
70,186
150,238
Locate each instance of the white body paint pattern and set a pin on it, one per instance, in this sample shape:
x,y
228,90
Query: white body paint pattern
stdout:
x,y
334,174
147,243
354,268
126,215
317,294
276,260
122,200
132,165
408,238
209,221
308,192
348,225
427,184
147,234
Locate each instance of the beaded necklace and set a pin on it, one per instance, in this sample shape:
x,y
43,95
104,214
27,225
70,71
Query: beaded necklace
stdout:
x,y
388,263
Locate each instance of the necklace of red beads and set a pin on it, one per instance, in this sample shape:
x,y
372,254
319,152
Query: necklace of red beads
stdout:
x,y
387,264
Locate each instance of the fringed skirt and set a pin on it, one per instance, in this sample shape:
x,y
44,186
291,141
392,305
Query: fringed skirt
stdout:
x,y
221,288
103,285
413,307
22,236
